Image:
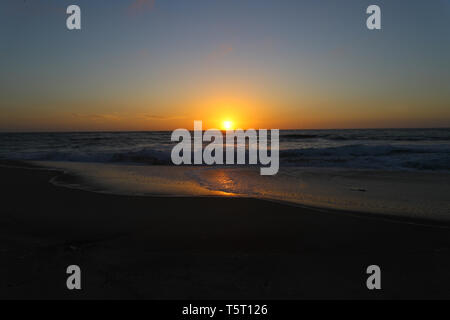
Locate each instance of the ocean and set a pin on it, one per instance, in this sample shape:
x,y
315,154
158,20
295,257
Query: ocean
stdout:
x,y
401,172
384,149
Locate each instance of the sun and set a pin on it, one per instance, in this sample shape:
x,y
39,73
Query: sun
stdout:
x,y
227,125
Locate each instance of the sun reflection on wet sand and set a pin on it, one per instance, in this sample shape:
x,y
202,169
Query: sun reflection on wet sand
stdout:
x,y
223,180
227,194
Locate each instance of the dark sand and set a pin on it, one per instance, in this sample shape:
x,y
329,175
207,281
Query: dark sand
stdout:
x,y
204,248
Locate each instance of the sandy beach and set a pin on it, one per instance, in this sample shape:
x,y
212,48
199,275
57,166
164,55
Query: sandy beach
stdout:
x,y
206,247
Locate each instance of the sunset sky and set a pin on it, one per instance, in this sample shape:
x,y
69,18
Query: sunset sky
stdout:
x,y
160,65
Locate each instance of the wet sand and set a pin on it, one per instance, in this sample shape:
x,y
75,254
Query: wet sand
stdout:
x,y
408,194
205,248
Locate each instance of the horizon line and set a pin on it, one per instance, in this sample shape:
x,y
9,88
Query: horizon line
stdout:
x,y
140,131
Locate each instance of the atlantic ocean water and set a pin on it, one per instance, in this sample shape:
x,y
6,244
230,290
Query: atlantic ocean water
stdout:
x,y
387,149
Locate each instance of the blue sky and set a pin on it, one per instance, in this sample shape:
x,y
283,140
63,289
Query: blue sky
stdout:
x,y
160,64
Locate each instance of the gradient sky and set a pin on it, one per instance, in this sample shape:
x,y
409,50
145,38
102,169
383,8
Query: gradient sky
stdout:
x,y
160,64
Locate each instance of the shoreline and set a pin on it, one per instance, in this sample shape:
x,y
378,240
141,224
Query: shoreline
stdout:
x,y
204,248
68,177
420,196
